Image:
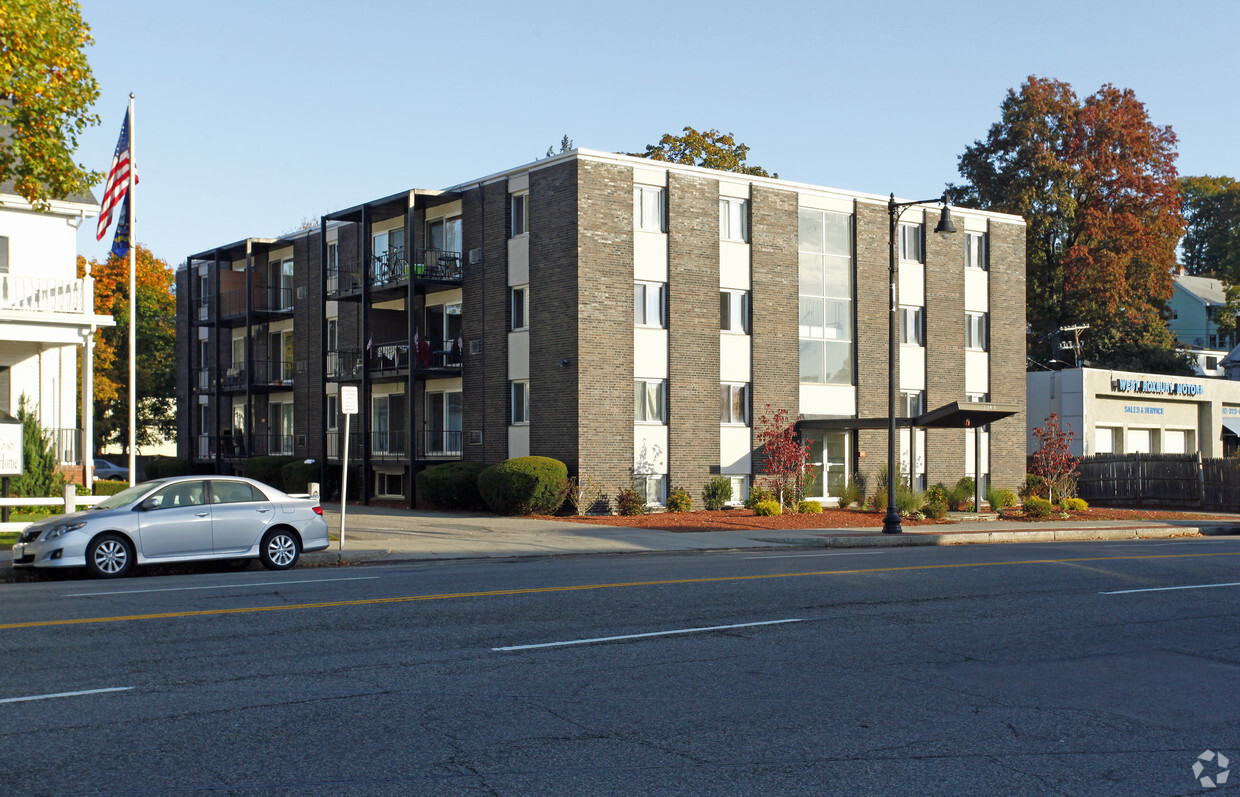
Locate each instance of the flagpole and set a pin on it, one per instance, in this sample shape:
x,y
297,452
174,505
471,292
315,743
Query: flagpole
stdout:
x,y
133,308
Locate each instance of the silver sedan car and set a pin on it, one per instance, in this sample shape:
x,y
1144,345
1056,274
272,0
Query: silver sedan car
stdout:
x,y
181,519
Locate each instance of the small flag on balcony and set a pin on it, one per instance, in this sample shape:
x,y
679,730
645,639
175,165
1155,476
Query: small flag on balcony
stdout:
x,y
370,343
120,243
117,186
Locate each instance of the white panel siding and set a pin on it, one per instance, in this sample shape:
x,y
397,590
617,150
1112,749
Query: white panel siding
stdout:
x,y
912,284
976,290
734,265
650,449
519,260
518,441
734,365
649,353
650,256
912,368
519,355
735,447
976,372
826,400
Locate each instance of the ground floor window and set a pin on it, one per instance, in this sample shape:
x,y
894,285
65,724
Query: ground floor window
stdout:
x,y
1140,441
740,489
1177,441
652,489
389,484
1105,439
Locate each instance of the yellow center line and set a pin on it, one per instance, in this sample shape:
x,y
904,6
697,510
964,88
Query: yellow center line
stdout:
x,y
581,587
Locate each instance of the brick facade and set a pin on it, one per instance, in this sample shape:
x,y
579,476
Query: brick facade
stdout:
x,y
945,338
872,323
1007,351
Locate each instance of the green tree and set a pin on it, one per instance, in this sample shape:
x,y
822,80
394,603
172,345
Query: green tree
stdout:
x,y
39,478
566,145
156,338
711,150
1096,183
1211,243
46,92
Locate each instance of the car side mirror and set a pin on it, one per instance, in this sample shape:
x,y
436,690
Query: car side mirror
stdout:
x,y
150,503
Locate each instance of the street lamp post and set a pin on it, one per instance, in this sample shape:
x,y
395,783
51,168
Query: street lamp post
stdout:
x,y
945,227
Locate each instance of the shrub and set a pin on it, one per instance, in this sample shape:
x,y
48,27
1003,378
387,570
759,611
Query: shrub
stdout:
x,y
756,496
935,510
296,476
809,508
109,486
878,501
1036,507
768,508
908,501
630,502
937,493
1074,504
584,495
960,494
850,494
1000,498
452,485
717,492
163,467
1034,486
524,485
266,470
679,501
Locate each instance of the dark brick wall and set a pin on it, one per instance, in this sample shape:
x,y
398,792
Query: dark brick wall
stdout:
x,y
553,318
308,385
1007,351
693,331
605,323
484,317
187,342
872,326
945,327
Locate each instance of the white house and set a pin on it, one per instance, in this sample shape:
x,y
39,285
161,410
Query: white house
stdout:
x,y
47,319
1195,304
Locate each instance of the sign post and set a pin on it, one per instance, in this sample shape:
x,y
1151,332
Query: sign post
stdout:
x,y
348,407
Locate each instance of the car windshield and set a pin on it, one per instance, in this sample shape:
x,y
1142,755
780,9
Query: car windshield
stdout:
x,y
126,496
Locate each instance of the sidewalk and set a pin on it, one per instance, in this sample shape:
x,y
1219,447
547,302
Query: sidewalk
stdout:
x,y
380,534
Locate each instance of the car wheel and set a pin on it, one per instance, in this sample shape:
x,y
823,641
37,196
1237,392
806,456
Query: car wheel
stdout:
x,y
109,556
279,550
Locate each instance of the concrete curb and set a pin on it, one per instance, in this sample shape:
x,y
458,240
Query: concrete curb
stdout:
x,y
992,537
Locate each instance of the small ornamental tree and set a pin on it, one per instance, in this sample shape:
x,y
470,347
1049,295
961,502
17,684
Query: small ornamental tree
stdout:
x,y
1053,460
784,457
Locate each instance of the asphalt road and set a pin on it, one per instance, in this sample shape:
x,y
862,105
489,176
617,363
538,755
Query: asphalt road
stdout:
x,y
1084,668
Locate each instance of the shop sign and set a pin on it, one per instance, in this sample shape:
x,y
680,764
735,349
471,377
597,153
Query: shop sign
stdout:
x,y
1156,387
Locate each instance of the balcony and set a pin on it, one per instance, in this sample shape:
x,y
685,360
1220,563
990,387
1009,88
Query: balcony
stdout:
x,y
390,271
265,303
394,359
19,294
201,380
439,443
259,375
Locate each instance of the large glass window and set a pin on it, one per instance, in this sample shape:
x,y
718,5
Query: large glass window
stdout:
x,y
648,403
976,331
520,402
733,219
650,304
975,250
912,326
734,404
648,208
520,218
910,242
520,307
826,289
734,311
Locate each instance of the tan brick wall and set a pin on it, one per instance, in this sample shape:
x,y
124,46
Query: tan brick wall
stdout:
x,y
873,314
1008,437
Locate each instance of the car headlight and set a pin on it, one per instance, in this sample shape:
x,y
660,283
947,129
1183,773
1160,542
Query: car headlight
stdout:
x,y
63,528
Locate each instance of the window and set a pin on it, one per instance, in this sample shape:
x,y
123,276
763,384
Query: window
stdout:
x,y
520,214
444,235
826,289
734,311
976,331
912,326
980,398
910,242
740,489
280,427
975,250
519,301
229,492
734,404
4,254
333,267
651,489
648,208
180,494
912,403
648,403
520,405
333,334
650,304
333,412
733,219
389,484
1175,441
380,424
1211,362
1105,438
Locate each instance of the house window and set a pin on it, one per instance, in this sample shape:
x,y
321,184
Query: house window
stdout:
x,y
826,289
519,301
651,489
280,427
520,214
1105,438
975,250
734,311
734,404
733,219
389,484
444,415
912,326
648,402
976,331
380,419
740,489
910,242
4,254
333,334
912,403
333,412
444,235
648,208
650,304
520,405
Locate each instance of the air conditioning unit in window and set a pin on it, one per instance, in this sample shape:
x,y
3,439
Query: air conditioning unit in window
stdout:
x,y
475,437
475,347
301,291
475,256
301,440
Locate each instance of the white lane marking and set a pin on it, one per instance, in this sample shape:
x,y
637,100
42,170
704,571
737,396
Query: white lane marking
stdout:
x,y
218,586
802,555
643,636
66,694
1169,589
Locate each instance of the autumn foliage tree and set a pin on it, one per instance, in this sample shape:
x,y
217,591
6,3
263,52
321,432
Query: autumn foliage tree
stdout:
x,y
784,456
46,93
710,149
1096,183
156,338
1053,460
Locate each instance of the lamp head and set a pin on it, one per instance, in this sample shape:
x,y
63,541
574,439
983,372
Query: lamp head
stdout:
x,y
945,226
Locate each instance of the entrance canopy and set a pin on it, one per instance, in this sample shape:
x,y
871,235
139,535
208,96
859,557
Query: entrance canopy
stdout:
x,y
1232,425
957,415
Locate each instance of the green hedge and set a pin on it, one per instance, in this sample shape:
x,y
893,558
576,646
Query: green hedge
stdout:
x,y
267,470
525,485
108,486
453,485
163,467
296,476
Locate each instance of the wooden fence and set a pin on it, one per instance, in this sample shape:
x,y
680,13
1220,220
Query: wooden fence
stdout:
x,y
1166,480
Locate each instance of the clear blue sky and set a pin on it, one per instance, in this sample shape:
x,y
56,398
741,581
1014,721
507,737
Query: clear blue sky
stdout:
x,y
252,116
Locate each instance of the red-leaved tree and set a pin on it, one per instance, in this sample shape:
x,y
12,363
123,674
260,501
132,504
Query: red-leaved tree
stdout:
x,y
784,457
1053,460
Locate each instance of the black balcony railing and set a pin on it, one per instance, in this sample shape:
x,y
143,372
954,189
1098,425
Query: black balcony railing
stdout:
x,y
389,444
202,379
388,357
271,373
345,364
438,353
234,377
335,444
273,300
273,445
439,443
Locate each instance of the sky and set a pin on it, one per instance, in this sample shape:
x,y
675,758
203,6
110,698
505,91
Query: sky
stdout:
x,y
251,117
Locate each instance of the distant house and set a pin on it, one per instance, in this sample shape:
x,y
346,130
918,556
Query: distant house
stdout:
x,y
47,315
1195,307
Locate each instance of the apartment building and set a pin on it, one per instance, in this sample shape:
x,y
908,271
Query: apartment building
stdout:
x,y
628,317
48,321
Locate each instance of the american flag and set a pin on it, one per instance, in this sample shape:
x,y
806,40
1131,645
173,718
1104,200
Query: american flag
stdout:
x,y
117,186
